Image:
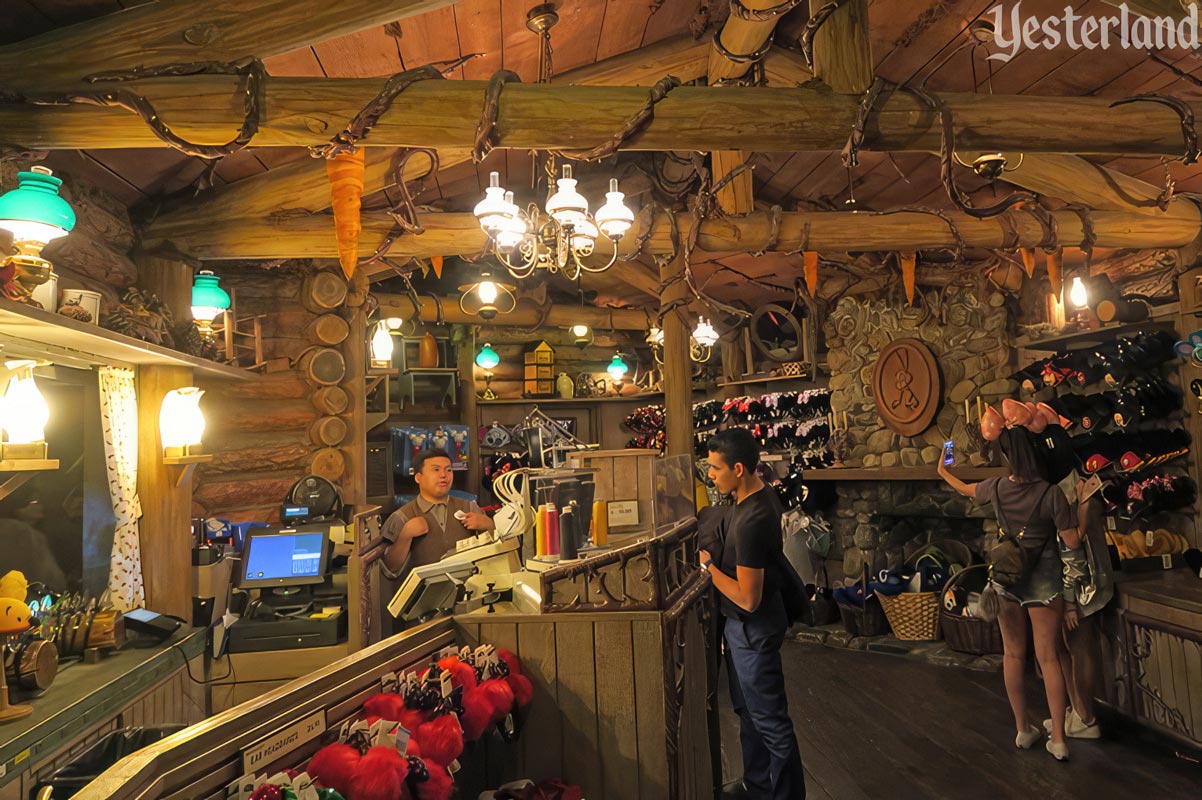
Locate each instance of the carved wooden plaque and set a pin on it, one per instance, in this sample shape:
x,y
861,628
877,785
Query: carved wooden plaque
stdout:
x,y
907,386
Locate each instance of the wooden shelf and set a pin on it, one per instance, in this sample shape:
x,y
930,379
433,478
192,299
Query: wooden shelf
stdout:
x,y
35,333
1092,338
28,464
898,473
576,401
773,379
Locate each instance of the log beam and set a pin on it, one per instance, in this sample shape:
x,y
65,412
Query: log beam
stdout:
x,y
307,111
302,187
526,315
456,234
842,53
179,31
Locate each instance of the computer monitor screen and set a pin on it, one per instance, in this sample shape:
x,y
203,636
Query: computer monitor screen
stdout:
x,y
283,558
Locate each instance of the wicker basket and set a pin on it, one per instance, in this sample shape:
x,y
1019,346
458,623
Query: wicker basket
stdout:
x,y
914,616
867,621
969,634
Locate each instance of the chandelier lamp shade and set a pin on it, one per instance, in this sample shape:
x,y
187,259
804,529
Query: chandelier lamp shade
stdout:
x,y
703,340
487,298
181,422
487,358
560,238
209,301
23,414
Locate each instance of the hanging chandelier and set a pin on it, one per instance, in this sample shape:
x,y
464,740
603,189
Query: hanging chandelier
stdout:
x,y
560,238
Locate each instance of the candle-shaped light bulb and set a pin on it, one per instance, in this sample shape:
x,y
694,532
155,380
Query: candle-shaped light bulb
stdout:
x,y
1077,294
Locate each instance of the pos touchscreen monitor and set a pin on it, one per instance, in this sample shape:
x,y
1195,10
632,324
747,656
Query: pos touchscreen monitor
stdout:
x,y
280,558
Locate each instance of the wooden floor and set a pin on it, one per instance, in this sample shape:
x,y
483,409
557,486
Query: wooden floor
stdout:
x,y
877,726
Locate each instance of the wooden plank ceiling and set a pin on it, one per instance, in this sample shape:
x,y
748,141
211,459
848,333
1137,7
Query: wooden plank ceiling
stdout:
x,y
914,42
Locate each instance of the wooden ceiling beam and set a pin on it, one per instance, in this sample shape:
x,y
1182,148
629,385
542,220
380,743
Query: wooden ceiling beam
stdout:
x,y
527,314
301,188
458,234
842,52
183,31
439,113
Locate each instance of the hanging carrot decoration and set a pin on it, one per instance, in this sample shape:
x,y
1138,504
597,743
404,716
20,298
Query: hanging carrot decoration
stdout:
x,y
436,263
1056,271
345,172
811,271
1028,254
909,262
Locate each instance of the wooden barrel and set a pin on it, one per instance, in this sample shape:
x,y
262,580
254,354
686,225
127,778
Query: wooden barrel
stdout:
x,y
328,329
328,463
327,431
330,400
323,291
323,366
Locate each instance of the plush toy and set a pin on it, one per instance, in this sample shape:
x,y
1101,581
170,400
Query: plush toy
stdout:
x,y
386,705
476,716
14,612
523,690
462,675
334,766
439,785
380,775
440,739
499,697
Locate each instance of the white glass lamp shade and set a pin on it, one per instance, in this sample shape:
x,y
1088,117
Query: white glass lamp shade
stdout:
x,y
617,368
704,334
23,410
567,206
493,211
394,323
487,292
584,235
655,337
181,422
614,218
511,234
381,343
1077,294
580,331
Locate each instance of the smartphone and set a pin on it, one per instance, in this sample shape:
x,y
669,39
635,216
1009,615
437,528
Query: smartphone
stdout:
x,y
949,457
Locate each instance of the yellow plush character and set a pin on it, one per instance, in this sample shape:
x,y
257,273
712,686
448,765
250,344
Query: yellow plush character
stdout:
x,y
14,613
14,585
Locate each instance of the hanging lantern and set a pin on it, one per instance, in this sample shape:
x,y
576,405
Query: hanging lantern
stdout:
x,y
486,298
181,422
487,358
23,414
208,300
381,346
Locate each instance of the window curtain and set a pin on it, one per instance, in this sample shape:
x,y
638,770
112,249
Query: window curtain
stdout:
x,y
119,416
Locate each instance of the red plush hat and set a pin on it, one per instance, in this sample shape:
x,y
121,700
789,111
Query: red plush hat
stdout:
x,y
412,718
477,714
386,705
462,675
523,690
441,739
334,767
380,776
438,787
499,697
511,661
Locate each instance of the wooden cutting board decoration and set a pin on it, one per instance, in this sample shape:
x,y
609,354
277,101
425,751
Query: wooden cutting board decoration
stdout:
x,y
907,386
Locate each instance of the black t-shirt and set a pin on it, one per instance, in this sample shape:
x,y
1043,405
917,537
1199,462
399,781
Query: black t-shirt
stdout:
x,y
753,540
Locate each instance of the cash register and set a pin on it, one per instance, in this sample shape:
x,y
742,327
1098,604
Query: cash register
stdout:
x,y
296,603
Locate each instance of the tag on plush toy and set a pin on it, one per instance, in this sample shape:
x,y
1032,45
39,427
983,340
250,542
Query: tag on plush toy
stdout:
x,y
1149,538
453,767
244,787
379,730
302,786
444,684
401,735
450,650
389,682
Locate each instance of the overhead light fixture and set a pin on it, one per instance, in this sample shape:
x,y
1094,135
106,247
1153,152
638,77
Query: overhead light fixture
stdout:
x,y
36,215
1077,294
487,298
23,414
381,346
487,358
209,301
559,239
181,422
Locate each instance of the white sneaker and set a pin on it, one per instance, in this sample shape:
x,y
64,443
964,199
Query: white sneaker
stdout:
x,y
1058,751
1068,715
1025,740
1076,728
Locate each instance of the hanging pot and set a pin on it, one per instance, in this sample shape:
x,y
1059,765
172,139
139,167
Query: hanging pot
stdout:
x,y
427,352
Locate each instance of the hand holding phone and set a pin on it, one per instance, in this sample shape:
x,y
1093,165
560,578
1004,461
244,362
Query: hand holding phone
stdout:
x,y
949,456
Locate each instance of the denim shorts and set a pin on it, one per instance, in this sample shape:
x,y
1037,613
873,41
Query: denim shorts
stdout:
x,y
1042,585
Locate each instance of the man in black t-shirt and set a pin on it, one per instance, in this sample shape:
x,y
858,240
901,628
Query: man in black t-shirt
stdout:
x,y
748,579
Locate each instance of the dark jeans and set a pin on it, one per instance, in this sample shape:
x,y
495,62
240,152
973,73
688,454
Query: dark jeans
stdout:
x,y
771,761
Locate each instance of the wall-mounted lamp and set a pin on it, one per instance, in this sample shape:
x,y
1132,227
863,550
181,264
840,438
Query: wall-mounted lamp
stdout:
x,y
486,360
208,301
23,415
582,336
36,216
381,346
486,298
181,422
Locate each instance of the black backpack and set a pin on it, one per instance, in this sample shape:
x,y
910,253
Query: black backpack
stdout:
x,y
793,592
1016,552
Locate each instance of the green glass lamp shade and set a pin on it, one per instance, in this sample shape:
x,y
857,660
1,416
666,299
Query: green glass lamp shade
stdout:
x,y
487,358
33,211
208,298
617,368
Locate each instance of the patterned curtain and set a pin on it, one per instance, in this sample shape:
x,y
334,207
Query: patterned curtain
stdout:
x,y
119,416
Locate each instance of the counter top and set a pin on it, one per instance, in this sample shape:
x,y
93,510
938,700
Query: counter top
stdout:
x,y
1178,588
84,695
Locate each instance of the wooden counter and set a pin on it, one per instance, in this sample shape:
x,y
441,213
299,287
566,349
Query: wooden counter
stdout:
x,y
133,687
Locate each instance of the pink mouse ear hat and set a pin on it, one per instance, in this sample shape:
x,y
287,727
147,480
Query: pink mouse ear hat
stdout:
x,y
1015,413
1048,413
1038,422
991,424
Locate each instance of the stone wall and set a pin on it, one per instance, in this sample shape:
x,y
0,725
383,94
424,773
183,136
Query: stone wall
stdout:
x,y
970,336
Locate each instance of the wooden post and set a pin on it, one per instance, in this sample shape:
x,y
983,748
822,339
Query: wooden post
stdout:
x,y
169,280
354,484
165,532
678,366
465,360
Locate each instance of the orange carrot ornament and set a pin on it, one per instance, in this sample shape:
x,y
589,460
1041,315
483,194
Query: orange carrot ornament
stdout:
x,y
436,265
811,271
1056,271
909,262
1028,254
345,173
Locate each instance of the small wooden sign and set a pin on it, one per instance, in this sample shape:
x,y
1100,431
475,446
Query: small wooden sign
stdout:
x,y
907,386
623,513
277,745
